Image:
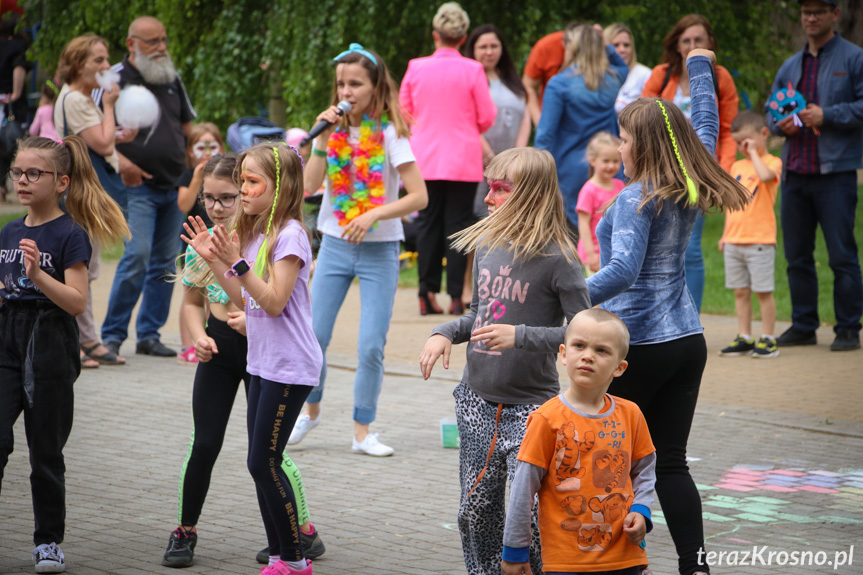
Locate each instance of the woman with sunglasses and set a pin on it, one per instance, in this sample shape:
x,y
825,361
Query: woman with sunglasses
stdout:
x,y
204,143
82,61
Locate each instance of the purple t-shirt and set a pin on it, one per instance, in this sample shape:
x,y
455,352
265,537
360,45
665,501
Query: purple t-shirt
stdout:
x,y
284,348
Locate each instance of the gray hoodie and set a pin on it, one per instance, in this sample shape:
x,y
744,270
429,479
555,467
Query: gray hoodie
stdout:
x,y
537,296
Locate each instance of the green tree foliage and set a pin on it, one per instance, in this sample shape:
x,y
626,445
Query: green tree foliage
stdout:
x,y
237,55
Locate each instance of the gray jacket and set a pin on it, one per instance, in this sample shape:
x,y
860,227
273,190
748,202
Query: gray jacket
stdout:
x,y
840,94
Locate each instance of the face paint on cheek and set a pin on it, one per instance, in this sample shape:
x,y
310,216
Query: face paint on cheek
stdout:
x,y
499,191
253,185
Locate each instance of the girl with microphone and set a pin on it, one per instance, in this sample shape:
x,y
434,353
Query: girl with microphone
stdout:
x,y
362,155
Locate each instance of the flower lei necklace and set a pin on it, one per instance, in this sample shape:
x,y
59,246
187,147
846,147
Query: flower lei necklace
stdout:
x,y
353,198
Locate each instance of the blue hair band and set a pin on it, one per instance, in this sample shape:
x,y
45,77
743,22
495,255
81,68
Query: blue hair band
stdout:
x,y
358,49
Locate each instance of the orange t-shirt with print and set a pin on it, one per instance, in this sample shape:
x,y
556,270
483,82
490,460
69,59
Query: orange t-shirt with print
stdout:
x,y
587,491
755,223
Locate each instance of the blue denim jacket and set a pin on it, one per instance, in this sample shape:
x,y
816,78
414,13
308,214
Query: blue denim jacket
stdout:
x,y
571,115
840,94
641,278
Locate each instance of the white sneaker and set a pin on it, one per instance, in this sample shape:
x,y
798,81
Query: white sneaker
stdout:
x,y
303,425
371,446
49,558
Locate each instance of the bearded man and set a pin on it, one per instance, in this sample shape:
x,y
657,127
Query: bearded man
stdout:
x,y
150,165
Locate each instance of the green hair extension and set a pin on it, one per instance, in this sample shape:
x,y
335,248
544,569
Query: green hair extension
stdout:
x,y
690,185
261,258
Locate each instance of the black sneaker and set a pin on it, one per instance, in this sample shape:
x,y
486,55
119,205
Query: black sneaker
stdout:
x,y
846,341
313,547
181,548
49,558
794,336
740,346
765,348
155,348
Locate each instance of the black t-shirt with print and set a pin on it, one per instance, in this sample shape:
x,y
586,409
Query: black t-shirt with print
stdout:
x,y
62,243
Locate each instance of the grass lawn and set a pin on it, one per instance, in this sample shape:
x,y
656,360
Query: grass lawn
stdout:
x,y
717,299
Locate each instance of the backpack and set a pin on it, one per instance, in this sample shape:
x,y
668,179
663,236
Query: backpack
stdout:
x,y
251,130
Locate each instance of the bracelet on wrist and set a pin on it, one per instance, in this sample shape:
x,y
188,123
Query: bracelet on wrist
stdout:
x,y
319,153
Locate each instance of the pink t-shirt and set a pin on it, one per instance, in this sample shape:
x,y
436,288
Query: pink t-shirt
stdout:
x,y
284,348
591,199
43,123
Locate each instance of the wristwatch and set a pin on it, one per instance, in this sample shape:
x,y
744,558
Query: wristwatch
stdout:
x,y
238,269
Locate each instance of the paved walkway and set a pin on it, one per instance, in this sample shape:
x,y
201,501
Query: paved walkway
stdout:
x,y
775,448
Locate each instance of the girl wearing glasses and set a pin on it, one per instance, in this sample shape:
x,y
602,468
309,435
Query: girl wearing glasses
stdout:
x,y
43,286
204,143
218,328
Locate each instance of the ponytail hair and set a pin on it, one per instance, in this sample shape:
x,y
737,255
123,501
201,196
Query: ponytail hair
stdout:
x,y
87,202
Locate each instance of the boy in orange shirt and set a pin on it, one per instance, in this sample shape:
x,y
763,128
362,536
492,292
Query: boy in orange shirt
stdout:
x,y
749,240
590,458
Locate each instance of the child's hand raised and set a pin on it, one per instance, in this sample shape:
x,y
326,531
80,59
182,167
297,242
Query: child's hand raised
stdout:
x,y
496,337
31,257
199,238
635,527
226,246
436,346
709,54
515,568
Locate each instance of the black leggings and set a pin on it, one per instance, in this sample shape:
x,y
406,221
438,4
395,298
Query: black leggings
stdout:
x,y
273,410
215,389
449,210
663,380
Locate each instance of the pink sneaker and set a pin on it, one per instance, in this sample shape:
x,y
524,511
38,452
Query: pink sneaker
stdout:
x,y
282,568
187,355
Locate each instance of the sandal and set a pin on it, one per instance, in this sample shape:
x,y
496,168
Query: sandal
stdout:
x,y
88,362
107,358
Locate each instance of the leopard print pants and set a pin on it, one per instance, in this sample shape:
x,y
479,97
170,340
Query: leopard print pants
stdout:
x,y
481,514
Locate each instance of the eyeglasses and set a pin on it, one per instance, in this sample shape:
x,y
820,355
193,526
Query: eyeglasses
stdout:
x,y
153,41
815,13
33,174
225,201
201,148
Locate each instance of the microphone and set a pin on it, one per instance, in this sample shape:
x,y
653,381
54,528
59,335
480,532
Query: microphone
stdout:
x,y
344,108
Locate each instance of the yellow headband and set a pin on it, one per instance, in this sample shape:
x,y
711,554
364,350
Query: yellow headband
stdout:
x,y
261,258
690,185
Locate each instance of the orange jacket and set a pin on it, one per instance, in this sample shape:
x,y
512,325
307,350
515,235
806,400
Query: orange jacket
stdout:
x,y
726,150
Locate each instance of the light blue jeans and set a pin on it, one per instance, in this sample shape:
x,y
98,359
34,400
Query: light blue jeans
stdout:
x,y
146,265
376,264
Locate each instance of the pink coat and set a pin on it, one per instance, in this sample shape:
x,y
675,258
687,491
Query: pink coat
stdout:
x,y
448,98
